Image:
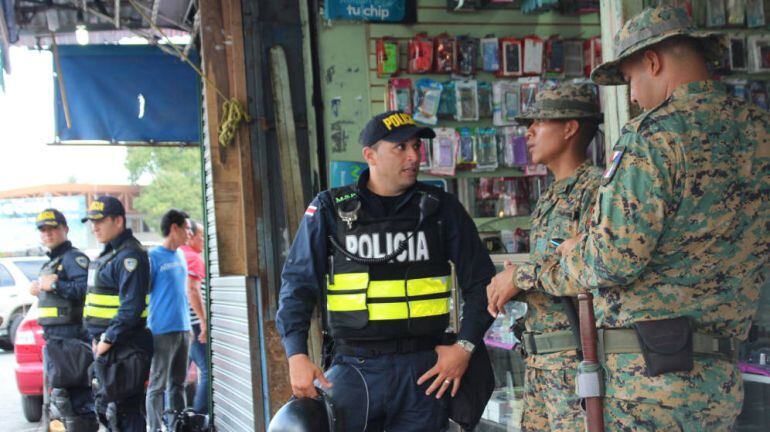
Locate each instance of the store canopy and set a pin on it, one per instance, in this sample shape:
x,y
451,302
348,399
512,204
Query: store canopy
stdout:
x,y
126,95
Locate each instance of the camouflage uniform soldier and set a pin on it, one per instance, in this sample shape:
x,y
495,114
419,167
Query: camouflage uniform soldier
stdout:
x,y
679,237
561,125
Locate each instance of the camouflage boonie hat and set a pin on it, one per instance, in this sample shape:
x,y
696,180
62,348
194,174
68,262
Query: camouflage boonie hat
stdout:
x,y
651,26
568,101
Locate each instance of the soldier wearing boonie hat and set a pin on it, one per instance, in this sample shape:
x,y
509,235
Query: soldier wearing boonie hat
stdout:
x,y
650,27
677,242
562,123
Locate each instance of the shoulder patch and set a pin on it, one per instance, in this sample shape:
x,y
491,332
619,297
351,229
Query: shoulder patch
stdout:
x,y
310,211
609,173
82,261
130,264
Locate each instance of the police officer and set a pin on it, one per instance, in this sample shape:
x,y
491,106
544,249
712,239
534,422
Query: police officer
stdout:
x,y
376,255
678,240
61,291
115,316
562,123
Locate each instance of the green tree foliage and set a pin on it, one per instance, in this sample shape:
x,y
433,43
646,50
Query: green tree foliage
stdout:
x,y
175,181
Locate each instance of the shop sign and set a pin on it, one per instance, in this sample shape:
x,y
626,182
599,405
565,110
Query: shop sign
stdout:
x,y
366,10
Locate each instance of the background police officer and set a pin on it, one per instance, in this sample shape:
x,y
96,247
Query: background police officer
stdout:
x,y
679,240
116,308
562,123
61,291
376,254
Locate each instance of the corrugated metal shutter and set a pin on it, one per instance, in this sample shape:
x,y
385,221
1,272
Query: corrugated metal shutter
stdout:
x,y
228,313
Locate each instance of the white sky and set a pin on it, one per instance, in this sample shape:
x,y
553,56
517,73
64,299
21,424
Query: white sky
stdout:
x,y
27,125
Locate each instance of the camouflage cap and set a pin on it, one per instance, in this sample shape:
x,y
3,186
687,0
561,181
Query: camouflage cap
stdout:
x,y
568,101
651,26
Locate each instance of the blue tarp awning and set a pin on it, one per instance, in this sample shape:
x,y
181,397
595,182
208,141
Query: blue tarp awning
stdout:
x,y
127,93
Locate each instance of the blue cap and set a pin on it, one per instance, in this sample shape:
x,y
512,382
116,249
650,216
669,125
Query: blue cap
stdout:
x,y
393,126
50,217
104,206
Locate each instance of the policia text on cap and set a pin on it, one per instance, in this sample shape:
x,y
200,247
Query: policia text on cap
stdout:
x,y
376,255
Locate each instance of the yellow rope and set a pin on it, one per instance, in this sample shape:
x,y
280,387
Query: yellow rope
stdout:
x,y
233,112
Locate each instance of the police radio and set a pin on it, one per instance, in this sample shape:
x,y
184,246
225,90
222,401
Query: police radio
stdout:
x,y
428,206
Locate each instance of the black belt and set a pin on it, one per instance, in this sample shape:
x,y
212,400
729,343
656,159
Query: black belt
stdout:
x,y
374,348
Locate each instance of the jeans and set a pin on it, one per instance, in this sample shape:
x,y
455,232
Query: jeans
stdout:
x,y
198,356
167,374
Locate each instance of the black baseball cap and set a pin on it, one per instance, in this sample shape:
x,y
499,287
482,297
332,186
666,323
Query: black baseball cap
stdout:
x,y
50,217
104,206
393,126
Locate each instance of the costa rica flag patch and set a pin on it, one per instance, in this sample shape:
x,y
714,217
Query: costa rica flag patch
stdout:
x,y
617,155
310,211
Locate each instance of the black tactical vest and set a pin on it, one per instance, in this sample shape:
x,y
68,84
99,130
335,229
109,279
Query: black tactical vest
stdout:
x,y
405,297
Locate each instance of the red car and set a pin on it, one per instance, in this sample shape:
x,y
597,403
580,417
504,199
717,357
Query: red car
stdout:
x,y
28,350
29,367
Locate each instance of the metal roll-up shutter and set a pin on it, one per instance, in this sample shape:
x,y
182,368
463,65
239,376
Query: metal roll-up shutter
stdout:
x,y
230,347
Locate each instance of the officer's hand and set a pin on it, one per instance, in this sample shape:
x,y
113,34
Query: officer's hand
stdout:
x,y
46,281
102,348
34,288
567,245
449,369
302,373
501,289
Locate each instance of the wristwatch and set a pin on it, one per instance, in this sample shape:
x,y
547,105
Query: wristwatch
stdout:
x,y
104,339
466,345
54,285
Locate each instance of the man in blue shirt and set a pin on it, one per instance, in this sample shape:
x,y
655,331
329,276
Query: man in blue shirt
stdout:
x,y
169,319
376,256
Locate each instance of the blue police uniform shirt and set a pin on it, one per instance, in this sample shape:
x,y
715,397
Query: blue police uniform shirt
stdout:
x,y
133,284
169,309
303,276
71,284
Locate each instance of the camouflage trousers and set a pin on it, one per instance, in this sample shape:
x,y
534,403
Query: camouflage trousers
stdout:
x,y
550,402
708,398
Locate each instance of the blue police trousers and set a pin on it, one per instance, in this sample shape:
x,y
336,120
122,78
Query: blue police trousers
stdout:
x,y
381,393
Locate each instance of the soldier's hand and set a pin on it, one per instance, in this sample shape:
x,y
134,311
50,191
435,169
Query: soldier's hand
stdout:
x,y
449,370
46,281
501,289
34,288
567,246
302,374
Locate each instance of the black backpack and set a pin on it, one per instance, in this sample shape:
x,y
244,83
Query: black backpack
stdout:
x,y
187,421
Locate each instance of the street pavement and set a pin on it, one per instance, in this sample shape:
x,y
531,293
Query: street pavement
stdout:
x,y
11,416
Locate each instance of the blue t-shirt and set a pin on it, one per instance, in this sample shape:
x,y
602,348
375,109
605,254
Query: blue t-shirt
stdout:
x,y
168,296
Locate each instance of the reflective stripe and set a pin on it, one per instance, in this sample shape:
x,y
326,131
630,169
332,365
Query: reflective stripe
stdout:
x,y
423,286
100,312
346,302
417,309
349,281
102,299
47,312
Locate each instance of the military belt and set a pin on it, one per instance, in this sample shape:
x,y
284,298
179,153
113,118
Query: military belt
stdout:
x,y
551,342
625,341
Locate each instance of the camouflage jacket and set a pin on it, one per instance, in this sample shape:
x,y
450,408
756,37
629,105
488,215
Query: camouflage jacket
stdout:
x,y
682,223
563,207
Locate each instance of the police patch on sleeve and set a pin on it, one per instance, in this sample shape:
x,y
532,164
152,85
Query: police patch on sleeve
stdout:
x,y
82,261
617,155
130,264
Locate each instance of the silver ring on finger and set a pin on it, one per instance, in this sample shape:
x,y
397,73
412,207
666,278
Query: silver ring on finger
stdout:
x,y
448,381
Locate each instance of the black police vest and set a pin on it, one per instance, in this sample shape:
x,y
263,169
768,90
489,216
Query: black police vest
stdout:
x,y
406,297
54,309
102,298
